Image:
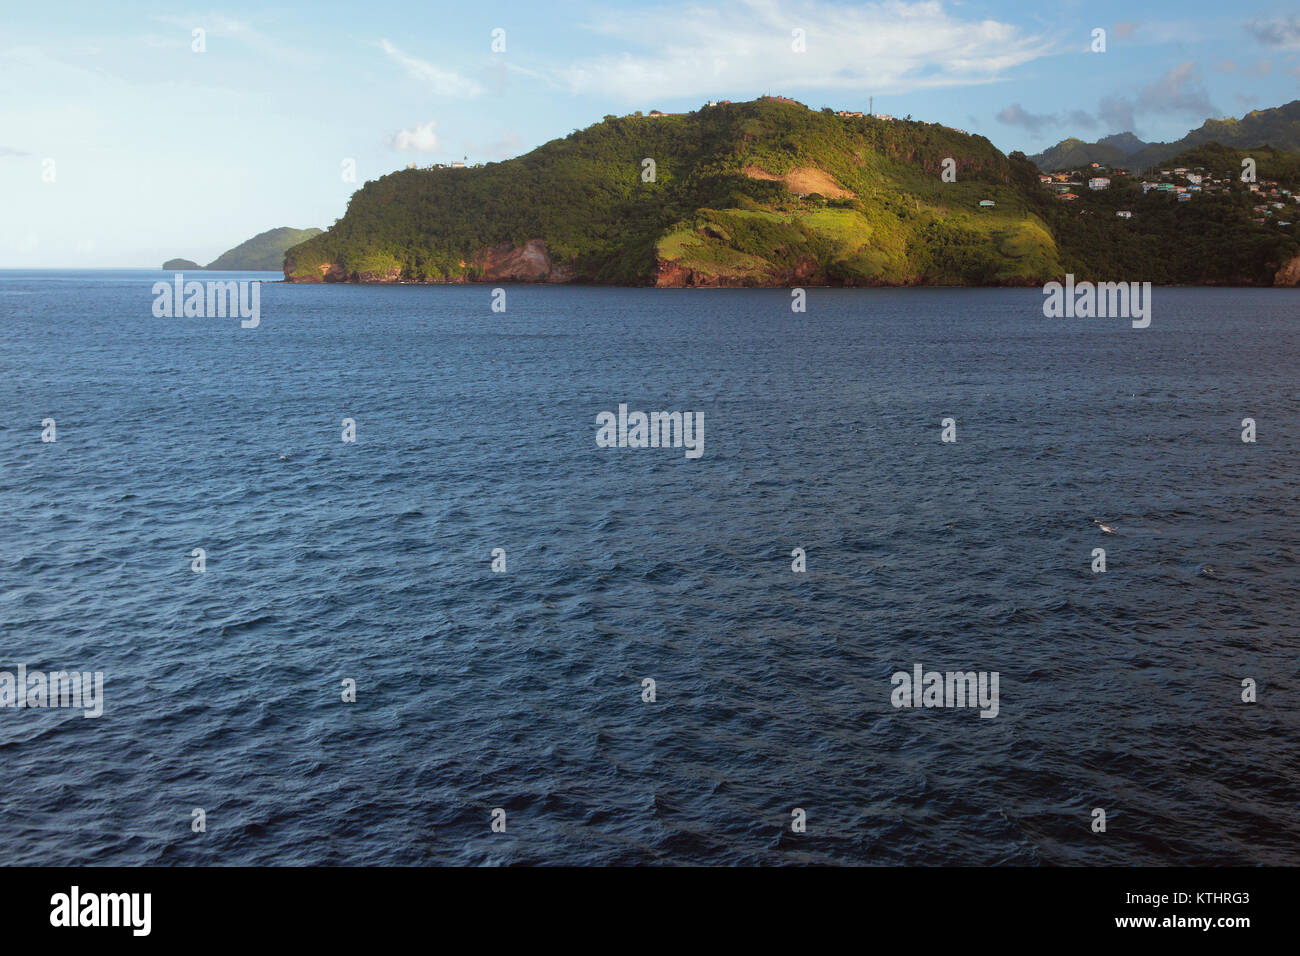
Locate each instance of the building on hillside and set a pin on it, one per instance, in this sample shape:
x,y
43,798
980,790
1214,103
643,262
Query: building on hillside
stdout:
x,y
987,204
1125,214
457,164
1098,182
1067,196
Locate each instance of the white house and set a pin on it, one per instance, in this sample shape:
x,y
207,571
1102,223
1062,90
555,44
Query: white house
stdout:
x,y
1098,182
1124,214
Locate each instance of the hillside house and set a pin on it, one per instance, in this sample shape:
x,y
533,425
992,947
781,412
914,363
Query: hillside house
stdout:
x,y
1098,182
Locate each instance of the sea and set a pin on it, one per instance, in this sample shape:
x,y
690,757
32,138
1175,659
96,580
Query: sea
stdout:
x,y
473,635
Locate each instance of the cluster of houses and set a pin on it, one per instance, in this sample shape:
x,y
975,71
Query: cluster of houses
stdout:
x,y
457,164
858,113
1180,182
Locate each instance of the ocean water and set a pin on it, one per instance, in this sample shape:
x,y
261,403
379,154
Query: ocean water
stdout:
x,y
475,430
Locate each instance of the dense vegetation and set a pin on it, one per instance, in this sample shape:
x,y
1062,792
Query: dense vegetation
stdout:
x,y
1211,239
264,251
891,219
770,192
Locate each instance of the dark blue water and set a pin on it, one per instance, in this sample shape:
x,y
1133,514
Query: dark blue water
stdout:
x,y
522,690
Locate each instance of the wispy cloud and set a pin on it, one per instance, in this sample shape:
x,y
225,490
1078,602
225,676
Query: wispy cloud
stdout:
x,y
1178,92
1015,115
439,81
743,47
10,151
1280,32
218,28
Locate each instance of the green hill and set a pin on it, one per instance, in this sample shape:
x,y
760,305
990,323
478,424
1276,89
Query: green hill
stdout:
x,y
265,251
766,192
771,193
180,265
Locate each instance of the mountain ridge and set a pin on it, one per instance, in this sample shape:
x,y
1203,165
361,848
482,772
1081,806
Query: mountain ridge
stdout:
x,y
1276,126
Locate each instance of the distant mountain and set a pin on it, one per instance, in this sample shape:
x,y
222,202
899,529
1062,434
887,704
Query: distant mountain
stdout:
x,y
1126,143
265,251
180,265
1072,153
1278,127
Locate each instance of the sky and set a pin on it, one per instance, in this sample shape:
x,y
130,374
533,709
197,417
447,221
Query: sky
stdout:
x,y
127,138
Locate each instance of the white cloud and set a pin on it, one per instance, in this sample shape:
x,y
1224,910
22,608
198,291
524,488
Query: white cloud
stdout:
x,y
441,82
217,27
744,47
1284,33
422,138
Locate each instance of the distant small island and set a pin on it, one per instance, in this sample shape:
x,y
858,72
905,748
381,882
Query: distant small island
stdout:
x,y
264,252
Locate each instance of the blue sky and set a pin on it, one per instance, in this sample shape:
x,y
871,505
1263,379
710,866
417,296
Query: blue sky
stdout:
x,y
158,151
